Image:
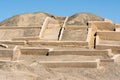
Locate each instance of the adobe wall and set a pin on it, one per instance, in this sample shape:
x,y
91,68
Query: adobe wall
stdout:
x,y
80,52
102,61
16,53
18,27
11,54
108,35
33,51
60,43
76,27
25,38
77,64
10,33
103,46
90,38
45,23
97,40
102,25
62,29
6,53
13,42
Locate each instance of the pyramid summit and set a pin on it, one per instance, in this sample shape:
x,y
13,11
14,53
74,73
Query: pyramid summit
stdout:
x,y
36,19
41,46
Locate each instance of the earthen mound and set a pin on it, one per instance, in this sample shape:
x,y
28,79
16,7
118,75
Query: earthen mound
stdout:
x,y
28,19
83,18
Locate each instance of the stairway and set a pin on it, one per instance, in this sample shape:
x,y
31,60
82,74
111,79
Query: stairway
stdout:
x,y
51,32
61,58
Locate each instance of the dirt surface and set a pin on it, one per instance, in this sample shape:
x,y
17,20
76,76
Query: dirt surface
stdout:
x,y
35,71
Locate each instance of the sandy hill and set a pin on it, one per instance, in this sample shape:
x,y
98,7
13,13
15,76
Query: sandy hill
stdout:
x,y
36,19
83,18
24,20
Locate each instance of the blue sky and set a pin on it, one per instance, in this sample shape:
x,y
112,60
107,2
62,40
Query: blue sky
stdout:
x,y
104,8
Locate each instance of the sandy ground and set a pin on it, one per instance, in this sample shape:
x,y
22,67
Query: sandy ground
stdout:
x,y
35,71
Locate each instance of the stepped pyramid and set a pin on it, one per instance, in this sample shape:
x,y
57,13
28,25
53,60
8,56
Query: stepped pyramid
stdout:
x,y
39,43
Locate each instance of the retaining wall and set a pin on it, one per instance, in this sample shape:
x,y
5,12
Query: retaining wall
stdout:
x,y
76,27
102,25
81,52
45,23
16,27
13,42
6,53
108,35
103,46
34,51
11,54
62,29
90,38
59,43
26,38
77,64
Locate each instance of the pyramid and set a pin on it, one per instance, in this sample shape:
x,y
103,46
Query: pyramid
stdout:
x,y
41,46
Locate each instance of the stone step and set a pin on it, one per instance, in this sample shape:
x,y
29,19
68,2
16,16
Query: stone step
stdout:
x,y
59,43
51,32
26,38
34,51
9,54
70,64
109,35
81,52
106,60
107,46
5,58
102,25
53,26
74,35
60,58
76,27
18,42
4,62
19,27
107,42
6,54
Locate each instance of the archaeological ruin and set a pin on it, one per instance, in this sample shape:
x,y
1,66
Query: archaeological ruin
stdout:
x,y
41,46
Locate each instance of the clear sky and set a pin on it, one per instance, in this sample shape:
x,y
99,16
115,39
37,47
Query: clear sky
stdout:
x,y
104,8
